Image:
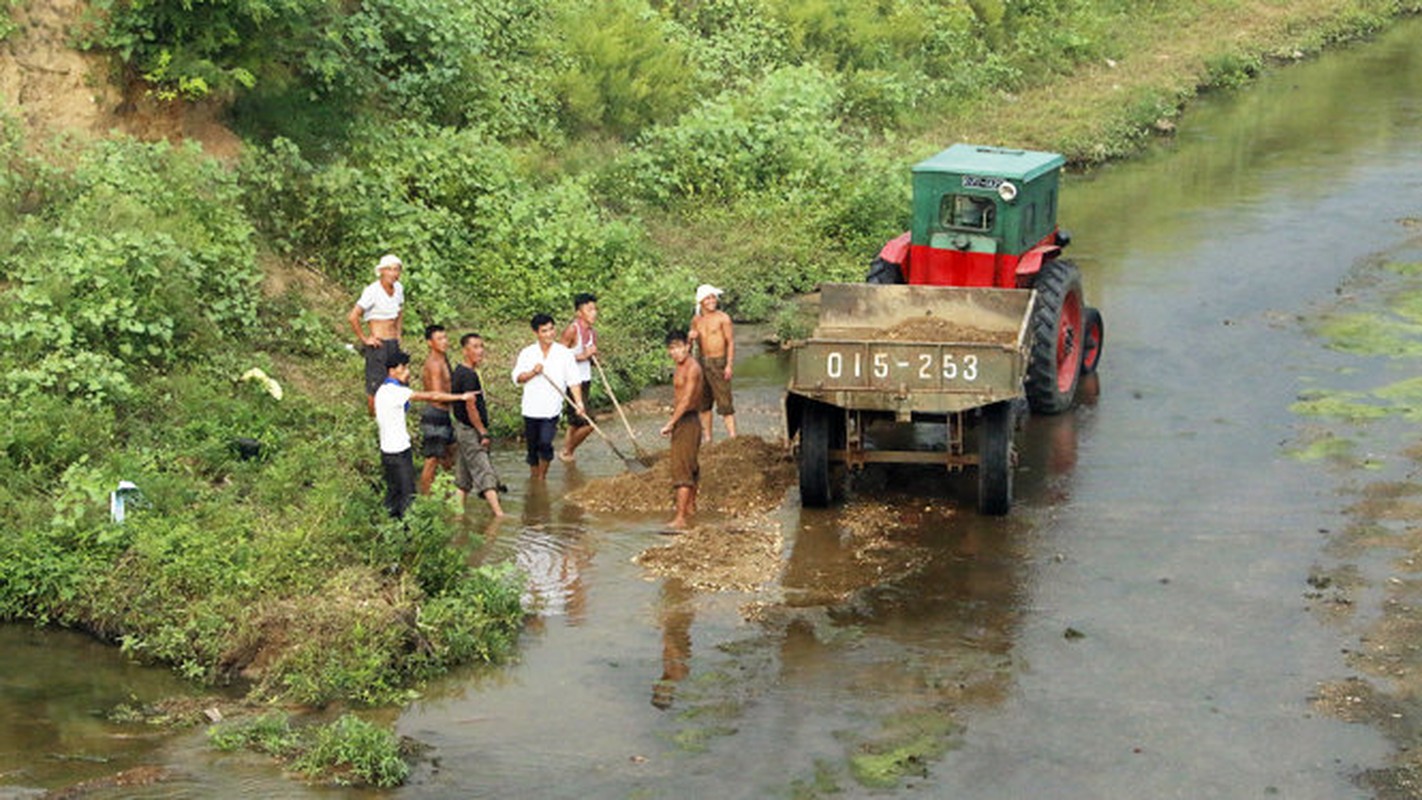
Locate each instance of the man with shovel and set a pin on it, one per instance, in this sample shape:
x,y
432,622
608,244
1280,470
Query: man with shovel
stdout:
x,y
545,370
580,337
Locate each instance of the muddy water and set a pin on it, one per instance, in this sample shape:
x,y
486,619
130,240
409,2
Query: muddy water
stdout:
x,y
1138,627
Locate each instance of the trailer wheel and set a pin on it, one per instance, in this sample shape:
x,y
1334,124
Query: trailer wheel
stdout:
x,y
816,424
1095,331
882,272
1057,338
995,459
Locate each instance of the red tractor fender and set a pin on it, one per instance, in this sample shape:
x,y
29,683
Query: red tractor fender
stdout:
x,y
896,251
1031,261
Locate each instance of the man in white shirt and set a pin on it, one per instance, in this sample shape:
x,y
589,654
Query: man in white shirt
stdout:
x,y
545,370
390,402
581,338
381,306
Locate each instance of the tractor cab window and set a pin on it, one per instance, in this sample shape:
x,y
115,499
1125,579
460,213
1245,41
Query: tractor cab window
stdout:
x,y
967,211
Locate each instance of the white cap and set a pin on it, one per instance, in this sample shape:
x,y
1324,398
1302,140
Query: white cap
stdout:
x,y
704,291
388,260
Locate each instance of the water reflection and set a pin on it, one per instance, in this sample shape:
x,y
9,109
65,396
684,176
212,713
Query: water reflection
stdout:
x,y
676,612
555,551
56,691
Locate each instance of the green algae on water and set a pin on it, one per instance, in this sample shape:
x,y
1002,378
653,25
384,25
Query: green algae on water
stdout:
x,y
1372,334
1326,448
1408,268
910,741
1348,406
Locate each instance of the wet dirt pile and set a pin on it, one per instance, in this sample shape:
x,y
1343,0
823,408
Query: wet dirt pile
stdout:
x,y
924,329
717,558
937,329
739,477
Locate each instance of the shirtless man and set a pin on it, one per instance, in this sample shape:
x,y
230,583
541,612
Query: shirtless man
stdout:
x,y
382,307
580,337
436,429
711,331
684,428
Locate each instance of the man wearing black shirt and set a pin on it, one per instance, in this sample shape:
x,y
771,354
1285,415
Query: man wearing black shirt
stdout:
x,y
473,471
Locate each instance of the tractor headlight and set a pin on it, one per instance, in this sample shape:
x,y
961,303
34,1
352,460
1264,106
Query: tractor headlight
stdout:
x,y
1007,191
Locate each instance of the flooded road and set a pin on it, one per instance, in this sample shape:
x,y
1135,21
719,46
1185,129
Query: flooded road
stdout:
x,y
1138,626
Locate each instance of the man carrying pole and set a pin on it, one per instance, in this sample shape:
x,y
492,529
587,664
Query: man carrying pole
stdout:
x,y
545,370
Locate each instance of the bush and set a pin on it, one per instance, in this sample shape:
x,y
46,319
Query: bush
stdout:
x,y
781,136
140,256
479,237
349,751
192,49
623,67
350,746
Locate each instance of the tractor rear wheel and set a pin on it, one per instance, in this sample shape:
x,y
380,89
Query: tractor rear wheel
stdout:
x,y
881,272
1095,337
816,430
995,459
1057,338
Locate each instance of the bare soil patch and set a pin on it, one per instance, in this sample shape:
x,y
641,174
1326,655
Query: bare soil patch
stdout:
x,y
56,90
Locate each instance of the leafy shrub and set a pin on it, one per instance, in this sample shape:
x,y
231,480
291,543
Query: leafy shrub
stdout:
x,y
192,49
447,62
474,231
471,622
271,733
140,256
781,135
350,746
622,69
733,42
349,751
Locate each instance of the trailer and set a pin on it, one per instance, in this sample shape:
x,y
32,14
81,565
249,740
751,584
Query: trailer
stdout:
x,y
887,356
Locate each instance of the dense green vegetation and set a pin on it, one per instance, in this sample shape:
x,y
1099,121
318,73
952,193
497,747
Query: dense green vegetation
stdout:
x,y
131,307
513,152
347,751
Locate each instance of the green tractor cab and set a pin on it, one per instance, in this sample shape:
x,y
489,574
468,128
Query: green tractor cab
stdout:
x,y
987,217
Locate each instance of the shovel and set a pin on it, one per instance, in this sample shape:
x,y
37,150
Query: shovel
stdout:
x,y
642,455
631,463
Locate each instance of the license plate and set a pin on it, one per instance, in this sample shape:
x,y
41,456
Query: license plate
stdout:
x,y
888,366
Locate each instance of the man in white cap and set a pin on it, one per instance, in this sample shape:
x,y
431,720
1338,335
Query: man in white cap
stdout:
x,y
714,337
382,307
